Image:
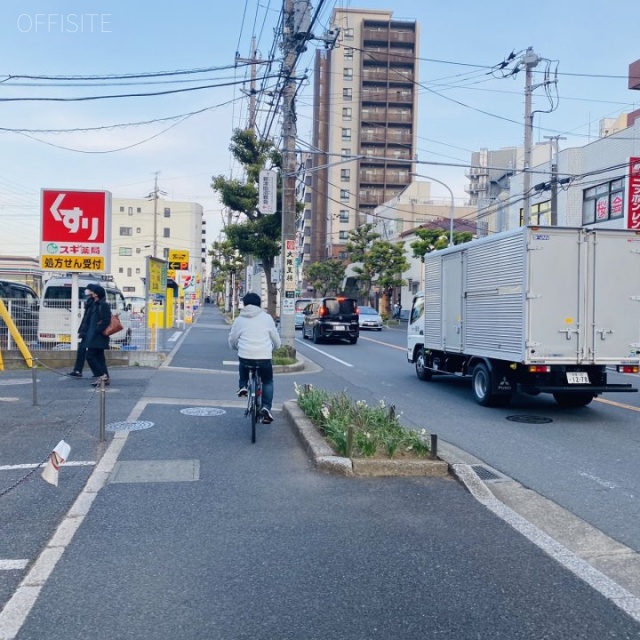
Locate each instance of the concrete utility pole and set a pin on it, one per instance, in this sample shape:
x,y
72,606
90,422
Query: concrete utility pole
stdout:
x,y
290,43
155,215
254,62
530,60
553,161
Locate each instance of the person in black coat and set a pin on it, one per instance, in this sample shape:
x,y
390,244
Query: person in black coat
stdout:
x,y
99,319
82,332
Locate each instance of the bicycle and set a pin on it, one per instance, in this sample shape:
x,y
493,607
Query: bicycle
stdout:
x,y
254,402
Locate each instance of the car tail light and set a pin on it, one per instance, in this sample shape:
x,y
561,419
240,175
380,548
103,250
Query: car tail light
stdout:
x,y
539,368
323,311
628,368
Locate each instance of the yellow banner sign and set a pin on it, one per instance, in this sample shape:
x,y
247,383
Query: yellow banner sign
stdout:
x,y
178,260
71,263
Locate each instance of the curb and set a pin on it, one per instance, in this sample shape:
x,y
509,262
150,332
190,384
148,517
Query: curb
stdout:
x,y
325,459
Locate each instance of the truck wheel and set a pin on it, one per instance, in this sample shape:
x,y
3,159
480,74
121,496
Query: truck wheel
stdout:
x,y
573,399
481,385
421,371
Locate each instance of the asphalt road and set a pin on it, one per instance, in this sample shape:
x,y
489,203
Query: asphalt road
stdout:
x,y
186,530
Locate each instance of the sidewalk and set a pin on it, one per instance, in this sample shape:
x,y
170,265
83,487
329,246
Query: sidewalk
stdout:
x,y
187,530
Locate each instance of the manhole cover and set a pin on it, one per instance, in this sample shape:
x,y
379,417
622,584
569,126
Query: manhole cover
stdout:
x,y
530,419
129,426
202,411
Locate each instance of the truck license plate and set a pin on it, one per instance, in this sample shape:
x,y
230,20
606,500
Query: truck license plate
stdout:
x,y
340,327
577,377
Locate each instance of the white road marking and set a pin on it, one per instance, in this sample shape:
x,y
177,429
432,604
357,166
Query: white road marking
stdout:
x,y
13,565
600,481
174,336
72,463
324,353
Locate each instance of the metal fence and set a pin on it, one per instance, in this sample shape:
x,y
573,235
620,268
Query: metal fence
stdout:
x,y
46,325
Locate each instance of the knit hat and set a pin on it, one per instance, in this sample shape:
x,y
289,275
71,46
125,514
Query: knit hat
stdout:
x,y
98,290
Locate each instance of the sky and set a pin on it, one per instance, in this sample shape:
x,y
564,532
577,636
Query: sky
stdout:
x,y
464,104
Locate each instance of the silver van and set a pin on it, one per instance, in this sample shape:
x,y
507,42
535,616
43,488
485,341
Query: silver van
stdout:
x,y
54,326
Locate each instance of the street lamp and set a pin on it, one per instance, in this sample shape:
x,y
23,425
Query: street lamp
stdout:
x,y
452,209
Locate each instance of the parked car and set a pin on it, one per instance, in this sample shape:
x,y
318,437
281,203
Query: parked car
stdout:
x,y
404,315
333,318
23,305
369,318
301,303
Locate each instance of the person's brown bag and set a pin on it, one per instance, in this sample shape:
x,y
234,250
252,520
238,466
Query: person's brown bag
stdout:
x,y
114,326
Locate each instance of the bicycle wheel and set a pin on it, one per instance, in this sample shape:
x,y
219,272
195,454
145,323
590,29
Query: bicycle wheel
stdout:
x,y
253,406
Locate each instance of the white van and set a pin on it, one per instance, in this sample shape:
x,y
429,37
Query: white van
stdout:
x,y
54,325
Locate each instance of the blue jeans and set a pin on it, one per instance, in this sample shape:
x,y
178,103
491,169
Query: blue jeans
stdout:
x,y
265,369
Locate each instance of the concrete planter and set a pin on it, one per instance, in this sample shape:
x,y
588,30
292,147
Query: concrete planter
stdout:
x,y
325,458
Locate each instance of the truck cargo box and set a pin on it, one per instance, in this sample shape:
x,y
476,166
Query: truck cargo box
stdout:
x,y
553,295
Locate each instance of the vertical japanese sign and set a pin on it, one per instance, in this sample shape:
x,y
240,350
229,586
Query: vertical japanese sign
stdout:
x,y
75,230
633,203
267,192
289,277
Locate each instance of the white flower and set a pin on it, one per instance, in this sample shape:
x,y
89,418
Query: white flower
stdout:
x,y
325,412
382,404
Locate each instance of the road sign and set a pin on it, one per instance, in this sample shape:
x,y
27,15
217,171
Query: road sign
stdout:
x,y
178,260
75,230
268,192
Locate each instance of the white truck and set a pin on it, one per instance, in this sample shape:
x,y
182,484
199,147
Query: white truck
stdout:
x,y
533,310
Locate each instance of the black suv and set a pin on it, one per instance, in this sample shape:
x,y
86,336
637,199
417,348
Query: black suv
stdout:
x,y
23,304
331,319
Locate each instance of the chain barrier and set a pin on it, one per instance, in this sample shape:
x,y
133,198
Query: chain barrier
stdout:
x,y
69,430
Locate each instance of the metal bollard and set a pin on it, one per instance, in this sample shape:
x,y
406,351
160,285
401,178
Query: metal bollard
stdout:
x,y
34,382
102,410
434,446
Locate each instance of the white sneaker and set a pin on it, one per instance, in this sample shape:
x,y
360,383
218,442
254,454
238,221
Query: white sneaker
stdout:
x,y
242,393
266,416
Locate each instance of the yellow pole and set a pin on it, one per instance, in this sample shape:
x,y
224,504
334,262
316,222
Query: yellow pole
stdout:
x,y
1,363
15,334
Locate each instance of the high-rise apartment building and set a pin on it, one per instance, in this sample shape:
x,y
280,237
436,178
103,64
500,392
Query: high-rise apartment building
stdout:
x,y
365,114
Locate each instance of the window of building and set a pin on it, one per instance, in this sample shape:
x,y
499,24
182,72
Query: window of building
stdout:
x,y
121,209
347,93
120,270
343,235
138,210
346,113
343,255
344,215
130,211
346,152
138,250
137,271
138,230
348,53
166,232
129,272
128,289
348,33
167,212
345,175
344,194
347,73
346,135
125,251
165,253
540,213
126,231
603,202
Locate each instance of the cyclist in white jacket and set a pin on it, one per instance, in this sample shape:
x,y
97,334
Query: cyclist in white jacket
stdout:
x,y
254,336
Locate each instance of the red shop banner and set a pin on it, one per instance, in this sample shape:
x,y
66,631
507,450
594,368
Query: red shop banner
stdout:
x,y
633,203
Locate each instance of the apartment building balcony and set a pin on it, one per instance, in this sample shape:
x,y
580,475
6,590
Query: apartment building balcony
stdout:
x,y
381,95
399,75
382,152
476,172
389,57
476,188
388,33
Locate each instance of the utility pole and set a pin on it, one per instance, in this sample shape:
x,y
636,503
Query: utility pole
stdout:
x,y
154,194
290,43
553,161
254,62
530,61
